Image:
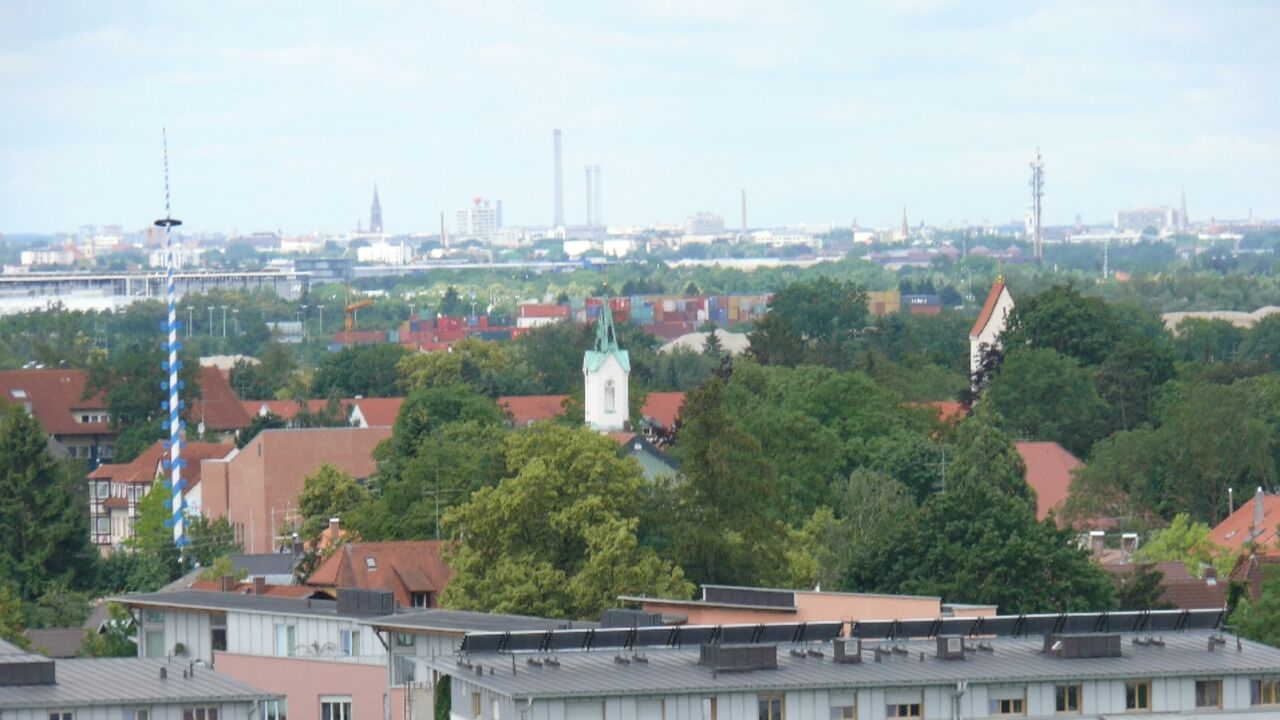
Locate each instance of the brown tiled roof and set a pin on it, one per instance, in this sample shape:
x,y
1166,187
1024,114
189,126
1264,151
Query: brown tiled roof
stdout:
x,y
115,502
1179,587
988,307
1253,570
403,567
143,469
288,409
663,407
379,412
52,396
1238,529
218,407
525,409
1049,467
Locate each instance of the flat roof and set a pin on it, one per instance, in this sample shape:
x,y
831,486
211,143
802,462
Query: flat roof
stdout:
x,y
1011,660
464,621
706,604
128,681
240,602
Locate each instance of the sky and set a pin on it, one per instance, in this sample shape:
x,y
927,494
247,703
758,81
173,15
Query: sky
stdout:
x,y
283,116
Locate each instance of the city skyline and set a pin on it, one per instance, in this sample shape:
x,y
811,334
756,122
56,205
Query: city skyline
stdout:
x,y
823,114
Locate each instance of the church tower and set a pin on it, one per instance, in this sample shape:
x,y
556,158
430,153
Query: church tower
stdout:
x,y
375,213
606,371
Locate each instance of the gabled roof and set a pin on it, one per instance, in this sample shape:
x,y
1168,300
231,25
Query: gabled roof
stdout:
x,y
1238,529
1179,587
378,412
288,409
52,395
218,407
403,567
988,307
144,468
663,407
1049,467
525,409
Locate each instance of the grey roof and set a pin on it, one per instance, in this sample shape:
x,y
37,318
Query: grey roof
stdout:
x,y
128,681
265,563
56,642
595,674
463,621
210,600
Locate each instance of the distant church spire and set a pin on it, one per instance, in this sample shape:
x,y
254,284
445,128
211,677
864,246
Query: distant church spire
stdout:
x,y
375,213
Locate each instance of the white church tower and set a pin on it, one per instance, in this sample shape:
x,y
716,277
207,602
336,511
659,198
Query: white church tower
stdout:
x,y
991,322
606,372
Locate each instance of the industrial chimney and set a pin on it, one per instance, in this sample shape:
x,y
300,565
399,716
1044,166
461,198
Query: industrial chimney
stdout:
x,y
559,221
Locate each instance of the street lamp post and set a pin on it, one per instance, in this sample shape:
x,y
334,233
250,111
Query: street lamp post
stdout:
x,y
224,321
321,319
235,320
190,320
210,321
304,320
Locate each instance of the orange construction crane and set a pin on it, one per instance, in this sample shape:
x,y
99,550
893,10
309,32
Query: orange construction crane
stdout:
x,y
352,309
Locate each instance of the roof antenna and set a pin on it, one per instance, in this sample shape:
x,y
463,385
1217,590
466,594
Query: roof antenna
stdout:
x,y
172,365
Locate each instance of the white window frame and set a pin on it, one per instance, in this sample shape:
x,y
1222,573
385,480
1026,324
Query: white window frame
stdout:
x,y
350,641
273,709
341,703
290,638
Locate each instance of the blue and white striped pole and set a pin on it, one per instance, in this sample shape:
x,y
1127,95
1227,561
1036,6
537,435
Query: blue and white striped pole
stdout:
x,y
172,365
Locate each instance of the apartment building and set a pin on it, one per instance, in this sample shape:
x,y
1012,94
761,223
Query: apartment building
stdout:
x,y
34,687
1153,664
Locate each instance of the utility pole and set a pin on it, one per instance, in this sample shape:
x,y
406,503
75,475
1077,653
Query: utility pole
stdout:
x,y
224,321
1037,202
210,321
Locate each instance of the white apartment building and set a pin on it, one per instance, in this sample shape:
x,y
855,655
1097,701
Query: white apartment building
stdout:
x,y
384,253
480,221
1158,217
29,258
704,223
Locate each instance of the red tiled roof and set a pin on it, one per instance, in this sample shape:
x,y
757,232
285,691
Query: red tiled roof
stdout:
x,y
403,567
1237,529
1253,571
1180,588
988,307
52,396
115,502
525,409
663,407
379,412
288,409
622,438
143,469
1049,467
218,407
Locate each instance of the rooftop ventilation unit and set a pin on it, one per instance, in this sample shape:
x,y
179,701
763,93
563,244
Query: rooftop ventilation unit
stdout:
x,y
1087,645
365,602
950,647
18,670
739,658
623,618
848,651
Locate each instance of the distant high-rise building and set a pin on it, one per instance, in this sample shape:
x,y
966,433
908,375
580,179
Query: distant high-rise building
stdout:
x,y
1183,221
482,220
559,209
375,213
1159,217
704,223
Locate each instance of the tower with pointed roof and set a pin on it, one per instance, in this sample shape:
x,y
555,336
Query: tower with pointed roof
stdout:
x,y
606,372
991,322
375,213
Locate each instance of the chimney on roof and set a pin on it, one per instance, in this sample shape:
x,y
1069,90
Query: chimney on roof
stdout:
x,y
1210,575
1129,543
259,585
298,548
333,525
1096,542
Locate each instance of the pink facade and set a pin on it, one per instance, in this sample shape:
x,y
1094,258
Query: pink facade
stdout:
x,y
303,681
813,607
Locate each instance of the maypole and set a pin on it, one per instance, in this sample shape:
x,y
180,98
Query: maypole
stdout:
x,y
172,365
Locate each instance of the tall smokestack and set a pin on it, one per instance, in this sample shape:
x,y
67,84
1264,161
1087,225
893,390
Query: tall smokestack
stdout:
x,y
597,197
591,218
559,182
744,211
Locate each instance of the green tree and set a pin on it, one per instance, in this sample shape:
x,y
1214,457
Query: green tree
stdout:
x,y
46,533
1139,589
327,493
211,539
1258,619
365,370
1188,542
133,381
223,567
1207,341
472,361
983,454
266,379
557,538
1063,320
160,561
1041,394
116,640
1262,343
815,321
1130,377
269,421
11,618
58,607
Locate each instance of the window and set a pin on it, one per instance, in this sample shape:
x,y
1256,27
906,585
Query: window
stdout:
x,y
1264,692
218,632
610,402
497,710
903,710
207,712
1066,698
405,640
286,640
153,643
274,710
371,563
351,643
709,708
772,706
333,707
475,705
102,525
1008,706
63,715
420,599
152,616
1137,695
843,712
104,490
142,714
1208,693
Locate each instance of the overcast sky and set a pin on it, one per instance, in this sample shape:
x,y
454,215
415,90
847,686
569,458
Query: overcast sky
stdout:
x,y
283,115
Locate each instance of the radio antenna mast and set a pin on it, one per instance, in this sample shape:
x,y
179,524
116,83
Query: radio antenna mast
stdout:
x,y
1037,205
174,405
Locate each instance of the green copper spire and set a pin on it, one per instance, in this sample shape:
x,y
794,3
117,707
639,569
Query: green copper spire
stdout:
x,y
606,344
